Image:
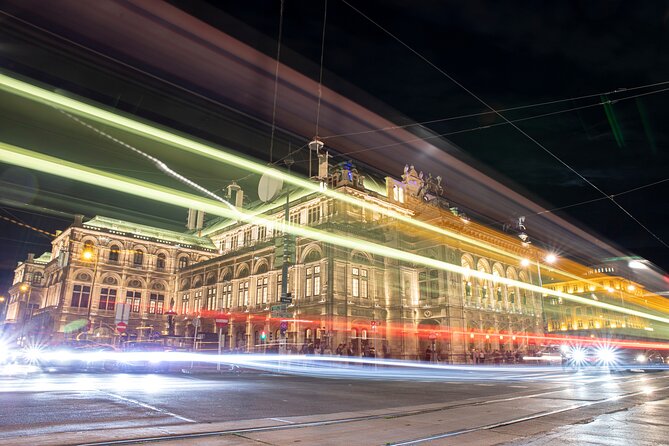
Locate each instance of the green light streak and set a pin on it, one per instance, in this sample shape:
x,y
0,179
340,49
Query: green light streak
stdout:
x,y
82,109
21,157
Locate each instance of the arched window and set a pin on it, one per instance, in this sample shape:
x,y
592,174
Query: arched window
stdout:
x,y
183,262
138,258
114,251
161,260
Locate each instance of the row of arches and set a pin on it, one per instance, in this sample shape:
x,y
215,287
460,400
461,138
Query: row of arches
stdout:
x,y
140,255
113,279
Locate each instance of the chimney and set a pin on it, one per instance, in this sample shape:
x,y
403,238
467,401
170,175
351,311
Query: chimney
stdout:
x,y
191,220
238,192
323,165
239,198
78,220
199,220
31,257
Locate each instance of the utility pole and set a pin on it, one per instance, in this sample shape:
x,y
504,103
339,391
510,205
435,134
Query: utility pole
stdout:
x,y
286,258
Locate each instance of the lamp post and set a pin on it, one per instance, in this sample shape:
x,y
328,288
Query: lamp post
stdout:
x,y
550,259
87,255
23,288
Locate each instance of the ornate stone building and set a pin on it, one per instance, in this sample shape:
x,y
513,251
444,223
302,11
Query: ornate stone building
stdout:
x,y
96,265
344,296
339,295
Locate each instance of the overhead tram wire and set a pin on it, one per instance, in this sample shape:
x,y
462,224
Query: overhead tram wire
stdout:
x,y
521,131
474,115
42,232
498,124
603,198
276,81
158,163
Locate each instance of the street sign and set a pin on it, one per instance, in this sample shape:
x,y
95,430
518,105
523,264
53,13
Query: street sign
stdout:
x,y
122,313
196,322
121,327
221,323
433,336
283,326
286,299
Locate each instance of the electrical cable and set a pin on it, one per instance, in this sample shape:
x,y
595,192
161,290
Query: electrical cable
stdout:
x,y
276,81
488,126
158,163
533,140
474,115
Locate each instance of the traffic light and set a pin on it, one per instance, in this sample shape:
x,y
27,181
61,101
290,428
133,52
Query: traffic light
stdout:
x,y
373,325
263,335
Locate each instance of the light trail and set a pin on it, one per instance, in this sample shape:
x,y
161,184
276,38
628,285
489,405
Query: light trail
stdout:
x,y
79,108
21,157
308,365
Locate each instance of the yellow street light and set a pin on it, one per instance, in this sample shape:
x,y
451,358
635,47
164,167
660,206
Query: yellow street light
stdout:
x,y
23,288
87,255
2,299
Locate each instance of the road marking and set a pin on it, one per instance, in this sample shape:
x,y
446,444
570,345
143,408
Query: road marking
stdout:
x,y
485,385
147,406
519,387
283,421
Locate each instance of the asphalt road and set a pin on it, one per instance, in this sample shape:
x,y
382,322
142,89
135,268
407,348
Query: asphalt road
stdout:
x,y
43,404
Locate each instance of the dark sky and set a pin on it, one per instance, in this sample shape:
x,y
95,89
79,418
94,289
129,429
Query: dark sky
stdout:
x,y
509,54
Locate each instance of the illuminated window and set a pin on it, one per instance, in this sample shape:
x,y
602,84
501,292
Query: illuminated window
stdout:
x,y
262,233
197,301
80,296
243,294
317,280
314,214
211,298
156,303
107,299
261,290
134,299
309,280
226,298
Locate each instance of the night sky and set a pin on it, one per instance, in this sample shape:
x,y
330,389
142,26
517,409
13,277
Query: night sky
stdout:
x,y
508,54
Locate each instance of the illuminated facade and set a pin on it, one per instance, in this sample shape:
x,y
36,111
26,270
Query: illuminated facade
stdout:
x,y
339,296
342,296
571,318
95,265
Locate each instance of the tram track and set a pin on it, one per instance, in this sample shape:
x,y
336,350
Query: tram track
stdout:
x,y
294,425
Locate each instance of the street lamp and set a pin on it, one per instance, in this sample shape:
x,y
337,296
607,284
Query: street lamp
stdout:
x,y
88,255
549,258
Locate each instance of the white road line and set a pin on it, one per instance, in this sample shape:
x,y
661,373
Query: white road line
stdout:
x,y
519,387
283,421
148,406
